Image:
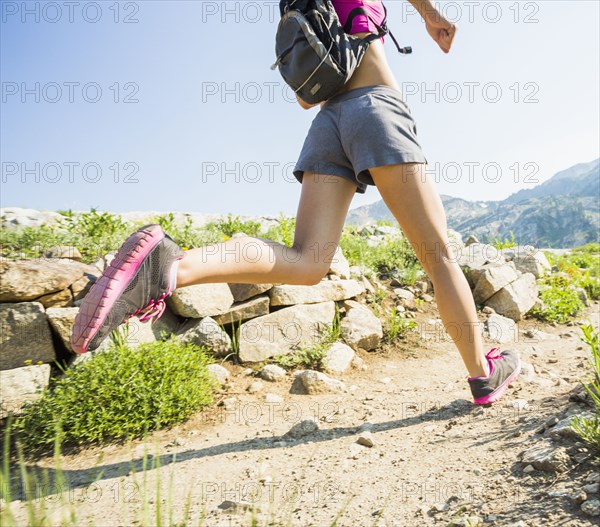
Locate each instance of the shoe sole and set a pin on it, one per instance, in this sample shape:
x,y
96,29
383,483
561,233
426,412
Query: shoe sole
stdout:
x,y
103,294
499,392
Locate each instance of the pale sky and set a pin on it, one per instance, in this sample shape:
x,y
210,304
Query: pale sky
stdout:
x,y
172,105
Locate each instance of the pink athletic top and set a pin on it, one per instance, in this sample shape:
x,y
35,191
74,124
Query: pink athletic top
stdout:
x,y
361,23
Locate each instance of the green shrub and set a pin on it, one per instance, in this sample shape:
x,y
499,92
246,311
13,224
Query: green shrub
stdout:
x,y
187,236
311,357
589,428
233,224
504,244
397,326
560,302
393,255
284,231
120,394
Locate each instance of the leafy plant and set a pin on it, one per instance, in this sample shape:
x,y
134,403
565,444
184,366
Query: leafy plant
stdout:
x,y
312,357
560,302
233,224
589,428
504,244
284,231
397,325
120,394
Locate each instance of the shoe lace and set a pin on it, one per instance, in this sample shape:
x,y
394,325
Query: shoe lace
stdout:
x,y
153,310
493,354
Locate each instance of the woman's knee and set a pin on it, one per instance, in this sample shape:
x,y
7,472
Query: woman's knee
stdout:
x,y
308,269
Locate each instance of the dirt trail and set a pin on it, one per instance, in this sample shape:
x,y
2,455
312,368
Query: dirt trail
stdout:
x,y
433,448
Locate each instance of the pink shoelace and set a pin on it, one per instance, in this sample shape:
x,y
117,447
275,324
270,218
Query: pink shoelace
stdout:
x,y
153,310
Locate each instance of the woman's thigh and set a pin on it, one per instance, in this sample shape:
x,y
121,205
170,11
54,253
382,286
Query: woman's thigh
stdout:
x,y
412,198
322,210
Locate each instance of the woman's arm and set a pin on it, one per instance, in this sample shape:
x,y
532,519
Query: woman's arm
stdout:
x,y
440,29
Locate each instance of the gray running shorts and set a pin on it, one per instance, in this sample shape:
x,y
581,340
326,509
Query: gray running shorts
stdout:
x,y
360,129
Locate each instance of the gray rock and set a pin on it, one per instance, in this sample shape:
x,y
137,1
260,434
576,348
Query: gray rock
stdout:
x,y
63,251
527,259
339,265
477,255
21,385
501,329
324,291
62,298
245,310
517,298
219,373
24,335
366,439
546,456
471,239
492,278
243,292
592,488
303,429
80,287
237,507
310,382
564,427
591,507
404,294
284,331
201,300
206,332
338,357
255,387
528,469
271,373
61,321
25,280
360,328
16,217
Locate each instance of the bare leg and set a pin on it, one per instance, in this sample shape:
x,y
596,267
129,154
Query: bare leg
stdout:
x,y
414,201
322,210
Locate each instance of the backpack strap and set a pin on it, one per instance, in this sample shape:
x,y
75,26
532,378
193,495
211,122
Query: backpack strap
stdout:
x,y
381,29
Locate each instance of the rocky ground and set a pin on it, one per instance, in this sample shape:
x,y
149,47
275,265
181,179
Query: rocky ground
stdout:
x,y
400,444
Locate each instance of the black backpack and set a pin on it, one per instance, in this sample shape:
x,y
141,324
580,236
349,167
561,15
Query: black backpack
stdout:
x,y
316,56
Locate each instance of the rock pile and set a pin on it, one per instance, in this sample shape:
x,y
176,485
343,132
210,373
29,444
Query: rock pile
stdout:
x,y
39,300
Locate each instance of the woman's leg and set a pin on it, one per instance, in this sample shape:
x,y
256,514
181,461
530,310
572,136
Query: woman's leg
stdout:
x,y
322,210
414,201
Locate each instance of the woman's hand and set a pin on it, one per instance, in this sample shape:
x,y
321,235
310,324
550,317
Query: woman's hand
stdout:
x,y
441,30
304,104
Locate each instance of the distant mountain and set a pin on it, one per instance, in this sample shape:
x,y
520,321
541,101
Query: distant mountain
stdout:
x,y
559,213
579,180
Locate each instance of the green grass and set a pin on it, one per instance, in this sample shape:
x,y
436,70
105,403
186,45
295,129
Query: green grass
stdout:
x,y
589,428
312,357
505,243
397,325
119,394
561,303
582,266
284,231
387,257
233,224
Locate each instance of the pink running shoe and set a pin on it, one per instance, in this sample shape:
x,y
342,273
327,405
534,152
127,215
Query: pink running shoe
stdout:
x,y
505,367
136,283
